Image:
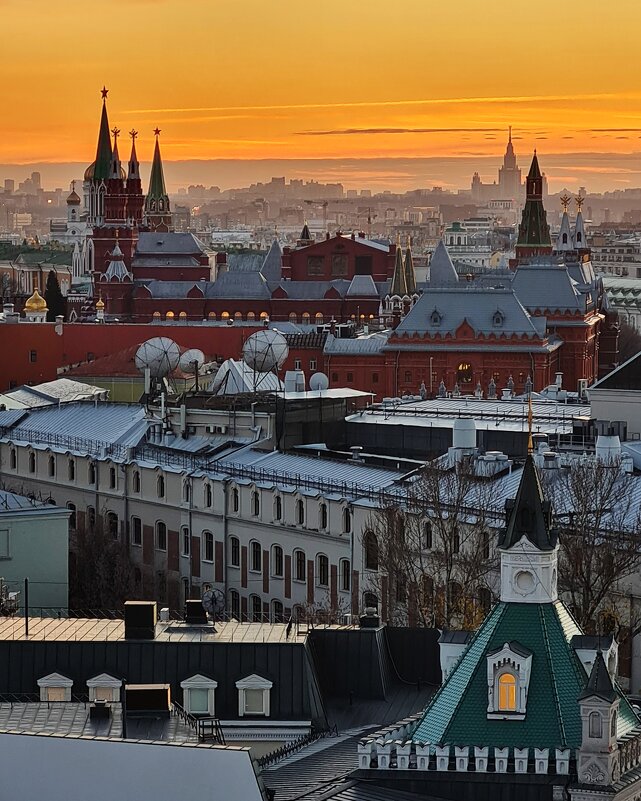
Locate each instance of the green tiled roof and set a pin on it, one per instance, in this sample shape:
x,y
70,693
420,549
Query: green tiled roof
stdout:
x,y
457,715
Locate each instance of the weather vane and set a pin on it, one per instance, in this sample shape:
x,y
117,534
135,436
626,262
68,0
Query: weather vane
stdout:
x,y
565,201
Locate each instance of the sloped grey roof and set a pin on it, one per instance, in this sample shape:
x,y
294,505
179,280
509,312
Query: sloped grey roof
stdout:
x,y
441,310
547,285
362,286
154,243
170,260
272,265
173,289
442,271
244,262
235,285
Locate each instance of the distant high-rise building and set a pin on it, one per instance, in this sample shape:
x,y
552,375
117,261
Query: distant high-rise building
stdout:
x,y
510,183
36,180
9,185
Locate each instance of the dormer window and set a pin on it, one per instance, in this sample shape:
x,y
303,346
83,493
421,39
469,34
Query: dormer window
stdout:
x,y
55,687
436,318
253,696
508,679
199,695
104,688
498,318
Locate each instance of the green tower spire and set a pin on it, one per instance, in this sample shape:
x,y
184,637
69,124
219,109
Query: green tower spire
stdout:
x,y
102,163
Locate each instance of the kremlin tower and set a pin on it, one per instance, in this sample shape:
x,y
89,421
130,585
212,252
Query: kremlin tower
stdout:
x,y
157,211
534,231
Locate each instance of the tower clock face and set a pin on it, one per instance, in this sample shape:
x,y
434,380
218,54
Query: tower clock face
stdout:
x,y
524,582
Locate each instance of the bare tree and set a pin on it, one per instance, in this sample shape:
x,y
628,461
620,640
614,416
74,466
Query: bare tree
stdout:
x,y
629,341
434,555
101,575
599,532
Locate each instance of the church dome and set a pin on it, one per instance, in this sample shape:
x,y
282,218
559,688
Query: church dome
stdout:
x,y
89,172
100,304
36,303
73,199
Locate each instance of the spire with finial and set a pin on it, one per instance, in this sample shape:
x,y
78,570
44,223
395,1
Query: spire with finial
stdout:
x,y
534,231
410,275
564,240
99,170
157,210
530,441
580,240
399,286
115,168
134,166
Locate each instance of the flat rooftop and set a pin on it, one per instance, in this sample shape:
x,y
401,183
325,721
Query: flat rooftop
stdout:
x,y
46,629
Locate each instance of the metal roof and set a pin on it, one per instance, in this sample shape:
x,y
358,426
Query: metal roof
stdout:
x,y
158,243
368,343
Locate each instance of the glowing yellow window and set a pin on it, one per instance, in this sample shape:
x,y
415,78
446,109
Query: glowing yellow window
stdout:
x,y
507,693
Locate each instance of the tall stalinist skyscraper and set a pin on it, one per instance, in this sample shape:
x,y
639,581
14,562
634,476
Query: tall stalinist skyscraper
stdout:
x,y
510,186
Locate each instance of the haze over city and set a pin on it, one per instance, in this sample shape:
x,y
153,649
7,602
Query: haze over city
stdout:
x,y
255,81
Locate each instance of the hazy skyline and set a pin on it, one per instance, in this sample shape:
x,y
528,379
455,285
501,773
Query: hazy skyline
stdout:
x,y
336,80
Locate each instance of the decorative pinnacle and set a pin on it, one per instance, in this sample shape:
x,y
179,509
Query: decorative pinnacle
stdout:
x,y
115,132
565,201
104,92
73,186
579,202
133,134
156,131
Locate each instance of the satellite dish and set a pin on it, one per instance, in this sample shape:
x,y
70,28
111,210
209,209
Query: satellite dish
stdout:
x,y
318,382
265,351
159,355
191,361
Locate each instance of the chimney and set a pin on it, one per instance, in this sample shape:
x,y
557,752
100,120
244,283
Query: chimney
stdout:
x,y
140,620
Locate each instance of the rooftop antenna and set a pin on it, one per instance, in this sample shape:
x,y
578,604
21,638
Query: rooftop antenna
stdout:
x,y
530,442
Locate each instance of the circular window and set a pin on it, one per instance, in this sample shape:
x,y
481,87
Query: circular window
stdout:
x,y
524,582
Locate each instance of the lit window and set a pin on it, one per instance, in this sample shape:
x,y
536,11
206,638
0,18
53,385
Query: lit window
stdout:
x,y
507,693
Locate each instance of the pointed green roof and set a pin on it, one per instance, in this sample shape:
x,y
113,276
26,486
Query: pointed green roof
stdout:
x,y
535,170
102,163
529,514
410,275
600,682
157,179
398,285
457,714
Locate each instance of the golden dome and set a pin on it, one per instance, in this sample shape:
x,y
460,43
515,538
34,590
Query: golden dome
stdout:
x,y
100,304
36,302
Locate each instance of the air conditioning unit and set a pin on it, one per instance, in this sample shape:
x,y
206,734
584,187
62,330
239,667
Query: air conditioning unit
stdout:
x,y
582,388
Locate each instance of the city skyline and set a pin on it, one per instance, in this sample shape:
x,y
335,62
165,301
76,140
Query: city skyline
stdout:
x,y
425,82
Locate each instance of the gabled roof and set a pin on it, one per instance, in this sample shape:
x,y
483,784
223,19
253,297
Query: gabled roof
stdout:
x,y
238,285
530,515
600,682
398,287
442,270
362,286
410,274
546,284
626,376
271,268
168,243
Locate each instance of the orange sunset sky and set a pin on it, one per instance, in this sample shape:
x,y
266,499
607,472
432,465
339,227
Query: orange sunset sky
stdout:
x,y
248,79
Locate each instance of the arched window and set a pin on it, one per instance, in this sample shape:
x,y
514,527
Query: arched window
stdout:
x,y
32,462
264,316
208,546
51,466
234,604
235,499
345,572
13,459
579,236
255,501
292,317
112,478
306,318
595,725
156,315
212,316
72,516
256,608
299,565
182,315
322,516
135,481
234,551
277,561
169,315
71,469
464,373
427,535
456,541
485,544
238,315
319,319
277,611
347,520
322,570
565,239
224,315
208,495
186,540
161,536
456,595
251,316
112,524
507,692
370,544
160,486
91,473
186,491
278,508
91,518
136,531
300,512
485,599
255,557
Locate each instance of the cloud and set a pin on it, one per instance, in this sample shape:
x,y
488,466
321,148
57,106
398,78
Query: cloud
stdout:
x,y
376,131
